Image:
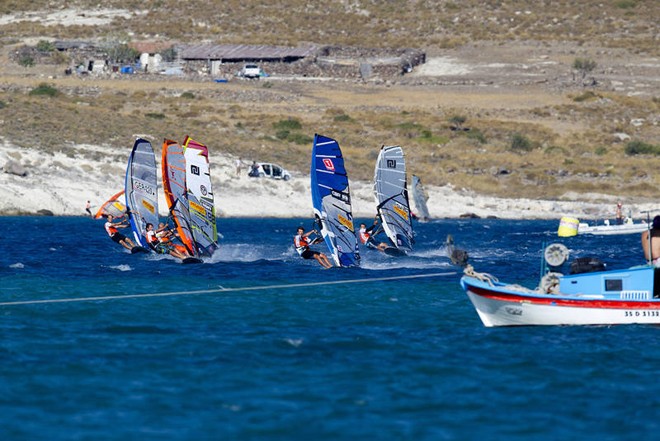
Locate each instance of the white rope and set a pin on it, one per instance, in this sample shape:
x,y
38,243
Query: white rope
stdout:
x,y
211,291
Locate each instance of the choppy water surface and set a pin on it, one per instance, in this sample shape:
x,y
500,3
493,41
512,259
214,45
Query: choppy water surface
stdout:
x,y
405,359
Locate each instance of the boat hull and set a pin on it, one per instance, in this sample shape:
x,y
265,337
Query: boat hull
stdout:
x,y
610,230
499,306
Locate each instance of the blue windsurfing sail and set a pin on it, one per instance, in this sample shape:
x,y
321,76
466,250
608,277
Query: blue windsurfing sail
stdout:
x,y
332,201
390,190
141,190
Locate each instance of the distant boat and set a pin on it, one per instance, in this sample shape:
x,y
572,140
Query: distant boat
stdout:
x,y
112,206
332,201
391,193
590,295
569,226
141,190
176,192
420,197
200,196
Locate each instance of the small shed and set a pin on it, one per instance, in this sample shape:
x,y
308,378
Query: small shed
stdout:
x,y
150,53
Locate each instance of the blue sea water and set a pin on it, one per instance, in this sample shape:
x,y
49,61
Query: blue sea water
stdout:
x,y
402,359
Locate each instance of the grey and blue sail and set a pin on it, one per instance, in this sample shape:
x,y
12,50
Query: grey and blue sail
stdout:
x,y
141,190
332,201
391,193
420,197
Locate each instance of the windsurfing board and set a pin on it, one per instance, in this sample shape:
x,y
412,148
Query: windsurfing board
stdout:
x,y
139,249
190,260
394,252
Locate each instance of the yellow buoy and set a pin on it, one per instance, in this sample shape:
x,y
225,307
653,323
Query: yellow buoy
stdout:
x,y
568,226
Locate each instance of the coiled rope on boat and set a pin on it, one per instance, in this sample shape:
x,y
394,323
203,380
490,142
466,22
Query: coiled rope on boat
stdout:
x,y
484,277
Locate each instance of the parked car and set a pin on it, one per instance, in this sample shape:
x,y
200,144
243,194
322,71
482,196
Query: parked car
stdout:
x,y
266,169
251,71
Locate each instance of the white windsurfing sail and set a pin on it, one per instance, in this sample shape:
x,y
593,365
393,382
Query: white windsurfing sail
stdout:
x,y
141,190
332,201
390,190
176,193
200,197
420,197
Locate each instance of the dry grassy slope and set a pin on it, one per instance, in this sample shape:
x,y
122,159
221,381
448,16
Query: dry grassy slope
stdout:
x,y
398,23
574,148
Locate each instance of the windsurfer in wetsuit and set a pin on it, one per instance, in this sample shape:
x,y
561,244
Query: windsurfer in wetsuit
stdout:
x,y
161,241
301,242
115,235
366,236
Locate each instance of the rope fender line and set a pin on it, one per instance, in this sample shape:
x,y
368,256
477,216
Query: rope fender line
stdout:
x,y
218,290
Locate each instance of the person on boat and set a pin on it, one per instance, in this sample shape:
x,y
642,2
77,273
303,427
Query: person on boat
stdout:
x,y
651,242
619,213
301,242
88,208
112,229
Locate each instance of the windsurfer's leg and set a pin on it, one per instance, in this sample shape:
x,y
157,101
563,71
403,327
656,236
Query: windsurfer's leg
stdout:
x,y
323,260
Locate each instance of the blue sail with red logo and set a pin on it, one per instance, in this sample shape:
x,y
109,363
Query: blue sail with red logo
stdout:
x,y
141,190
332,201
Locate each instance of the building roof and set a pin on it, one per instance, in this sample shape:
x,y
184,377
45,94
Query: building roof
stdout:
x,y
244,52
150,47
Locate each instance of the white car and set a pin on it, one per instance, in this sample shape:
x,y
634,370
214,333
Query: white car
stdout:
x,y
266,169
251,71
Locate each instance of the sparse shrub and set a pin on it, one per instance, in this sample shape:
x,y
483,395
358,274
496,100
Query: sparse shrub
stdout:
x,y
584,66
267,85
188,95
155,115
342,118
44,89
299,138
26,61
520,143
168,55
282,134
3,104
478,135
626,4
287,124
641,148
121,53
45,46
553,149
600,151
458,121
